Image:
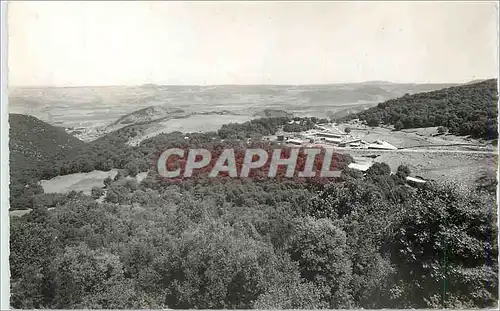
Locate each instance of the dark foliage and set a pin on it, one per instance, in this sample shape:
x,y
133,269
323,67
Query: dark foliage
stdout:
x,y
469,109
41,151
355,243
358,241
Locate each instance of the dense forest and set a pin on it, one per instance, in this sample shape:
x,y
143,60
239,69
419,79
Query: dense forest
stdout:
x,y
361,241
355,241
469,109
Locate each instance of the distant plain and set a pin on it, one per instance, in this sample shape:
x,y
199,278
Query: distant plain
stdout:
x,y
88,107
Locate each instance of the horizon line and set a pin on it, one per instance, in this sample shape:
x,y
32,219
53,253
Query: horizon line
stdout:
x,y
241,84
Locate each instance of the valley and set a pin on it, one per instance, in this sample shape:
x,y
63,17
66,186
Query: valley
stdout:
x,y
91,112
144,112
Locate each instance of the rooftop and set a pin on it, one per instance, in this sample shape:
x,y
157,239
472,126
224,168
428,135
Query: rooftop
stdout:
x,y
417,180
360,166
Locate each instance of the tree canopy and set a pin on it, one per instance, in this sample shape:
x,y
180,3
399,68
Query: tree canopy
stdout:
x,y
469,109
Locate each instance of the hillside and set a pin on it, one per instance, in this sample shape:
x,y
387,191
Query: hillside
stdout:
x,y
32,141
469,109
147,114
273,113
34,145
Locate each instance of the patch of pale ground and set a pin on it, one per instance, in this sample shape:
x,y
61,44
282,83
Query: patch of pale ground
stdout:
x,y
194,123
77,182
19,213
448,166
81,181
428,162
140,177
407,138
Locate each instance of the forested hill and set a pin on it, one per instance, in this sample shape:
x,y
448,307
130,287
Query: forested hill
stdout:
x,y
41,151
469,109
32,141
33,146
37,138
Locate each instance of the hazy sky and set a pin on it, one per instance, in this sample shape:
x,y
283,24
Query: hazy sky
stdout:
x,y
111,43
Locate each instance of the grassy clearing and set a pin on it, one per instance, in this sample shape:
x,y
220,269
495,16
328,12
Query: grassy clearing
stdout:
x,y
19,213
77,182
81,181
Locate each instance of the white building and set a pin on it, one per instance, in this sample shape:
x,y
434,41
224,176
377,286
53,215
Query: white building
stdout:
x,y
415,180
297,142
329,134
379,144
333,140
360,166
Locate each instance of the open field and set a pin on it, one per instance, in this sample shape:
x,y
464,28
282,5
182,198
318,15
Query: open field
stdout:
x,y
200,123
434,157
19,213
463,167
76,182
193,123
414,138
81,181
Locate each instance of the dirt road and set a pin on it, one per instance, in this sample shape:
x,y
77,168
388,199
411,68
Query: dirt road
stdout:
x,y
420,150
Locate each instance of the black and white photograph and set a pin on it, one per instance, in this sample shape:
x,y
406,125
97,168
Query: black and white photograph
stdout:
x,y
250,155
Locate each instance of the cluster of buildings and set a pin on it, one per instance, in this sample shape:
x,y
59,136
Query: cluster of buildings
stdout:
x,y
363,165
331,135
